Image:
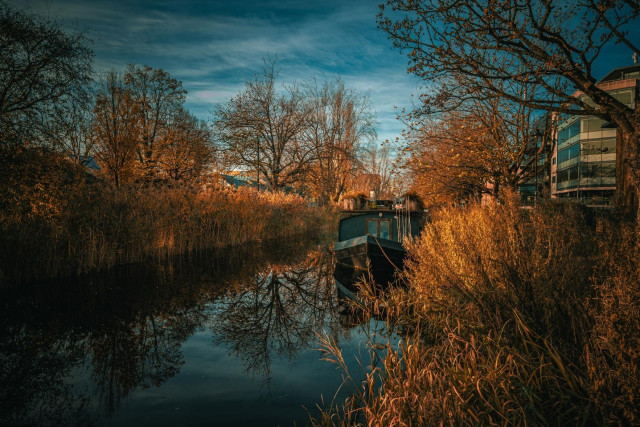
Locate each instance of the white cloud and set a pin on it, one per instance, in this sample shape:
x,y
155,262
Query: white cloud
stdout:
x,y
213,49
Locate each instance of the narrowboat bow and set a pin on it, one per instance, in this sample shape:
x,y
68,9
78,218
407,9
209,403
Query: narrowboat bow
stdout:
x,y
371,240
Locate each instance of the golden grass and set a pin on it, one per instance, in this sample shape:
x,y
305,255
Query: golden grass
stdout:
x,y
84,227
509,317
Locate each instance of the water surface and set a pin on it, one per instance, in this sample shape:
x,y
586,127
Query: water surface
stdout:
x,y
221,338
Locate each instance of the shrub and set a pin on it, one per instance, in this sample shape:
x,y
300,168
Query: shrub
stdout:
x,y
510,316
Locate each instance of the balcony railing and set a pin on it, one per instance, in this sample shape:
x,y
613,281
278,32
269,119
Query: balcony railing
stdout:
x,y
617,84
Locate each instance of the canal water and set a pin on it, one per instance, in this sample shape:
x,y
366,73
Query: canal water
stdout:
x,y
222,338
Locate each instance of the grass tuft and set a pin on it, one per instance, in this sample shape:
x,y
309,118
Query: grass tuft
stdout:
x,y
509,316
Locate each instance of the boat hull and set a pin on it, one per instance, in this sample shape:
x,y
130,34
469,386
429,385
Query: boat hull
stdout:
x,y
360,255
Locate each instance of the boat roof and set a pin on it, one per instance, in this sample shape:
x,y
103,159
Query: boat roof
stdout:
x,y
405,212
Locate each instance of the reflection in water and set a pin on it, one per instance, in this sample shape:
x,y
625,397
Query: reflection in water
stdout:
x,y
278,312
33,367
142,352
72,351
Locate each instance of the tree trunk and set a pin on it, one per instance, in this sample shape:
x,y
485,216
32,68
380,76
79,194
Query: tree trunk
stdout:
x,y
496,188
627,173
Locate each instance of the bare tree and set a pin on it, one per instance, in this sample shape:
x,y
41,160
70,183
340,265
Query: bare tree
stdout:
x,y
159,97
39,65
340,121
260,129
495,46
69,128
187,147
116,124
377,160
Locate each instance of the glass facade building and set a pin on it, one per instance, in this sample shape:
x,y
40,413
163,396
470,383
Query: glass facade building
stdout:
x,y
538,185
583,165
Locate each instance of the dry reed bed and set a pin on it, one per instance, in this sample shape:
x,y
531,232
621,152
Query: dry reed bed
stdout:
x,y
509,317
90,227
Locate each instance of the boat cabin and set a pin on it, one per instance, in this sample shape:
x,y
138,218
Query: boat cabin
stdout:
x,y
383,224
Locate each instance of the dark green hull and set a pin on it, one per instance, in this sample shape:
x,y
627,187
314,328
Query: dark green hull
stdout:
x,y
369,245
358,256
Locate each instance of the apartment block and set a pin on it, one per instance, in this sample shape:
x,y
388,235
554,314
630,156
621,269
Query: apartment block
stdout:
x,y
583,166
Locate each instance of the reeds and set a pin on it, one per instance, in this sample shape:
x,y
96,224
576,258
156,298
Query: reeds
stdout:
x,y
510,316
94,226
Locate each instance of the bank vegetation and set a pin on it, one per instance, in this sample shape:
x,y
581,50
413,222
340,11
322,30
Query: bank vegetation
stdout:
x,y
53,222
507,316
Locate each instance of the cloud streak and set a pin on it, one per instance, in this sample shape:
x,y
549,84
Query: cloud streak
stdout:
x,y
212,47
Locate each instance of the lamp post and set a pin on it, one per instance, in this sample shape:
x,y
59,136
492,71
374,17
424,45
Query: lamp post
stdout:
x,y
258,163
535,193
539,135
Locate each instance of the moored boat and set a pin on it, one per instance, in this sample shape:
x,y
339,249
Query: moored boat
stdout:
x,y
371,240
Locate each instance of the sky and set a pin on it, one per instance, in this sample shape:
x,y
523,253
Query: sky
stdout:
x,y
213,47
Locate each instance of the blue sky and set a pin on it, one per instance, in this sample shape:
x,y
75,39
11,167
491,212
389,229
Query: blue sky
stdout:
x,y
213,46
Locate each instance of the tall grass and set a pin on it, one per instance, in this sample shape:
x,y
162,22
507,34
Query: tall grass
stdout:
x,y
510,316
67,228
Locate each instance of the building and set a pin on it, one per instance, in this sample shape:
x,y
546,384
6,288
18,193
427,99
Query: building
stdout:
x,y
537,185
583,166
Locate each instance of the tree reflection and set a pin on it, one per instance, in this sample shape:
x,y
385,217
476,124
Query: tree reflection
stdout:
x,y
141,346
278,313
124,329
143,353
33,365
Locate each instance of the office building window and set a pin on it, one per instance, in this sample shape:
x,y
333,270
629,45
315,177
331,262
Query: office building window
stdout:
x,y
569,132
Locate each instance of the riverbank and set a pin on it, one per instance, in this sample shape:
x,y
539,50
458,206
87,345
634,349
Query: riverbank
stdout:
x,y
71,227
510,316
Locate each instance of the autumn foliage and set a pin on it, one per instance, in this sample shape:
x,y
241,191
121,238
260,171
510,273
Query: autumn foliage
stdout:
x,y
466,50
509,316
54,221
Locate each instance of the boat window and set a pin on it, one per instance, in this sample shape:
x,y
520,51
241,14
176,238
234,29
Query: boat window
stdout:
x,y
385,229
372,227
379,228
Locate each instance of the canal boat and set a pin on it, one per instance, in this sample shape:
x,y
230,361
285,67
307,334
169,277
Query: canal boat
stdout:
x,y
371,240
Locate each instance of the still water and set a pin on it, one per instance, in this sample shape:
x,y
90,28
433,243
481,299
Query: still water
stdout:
x,y
222,338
